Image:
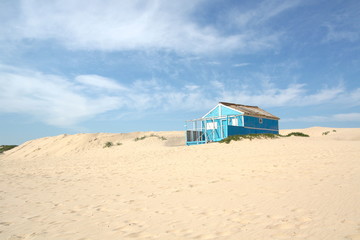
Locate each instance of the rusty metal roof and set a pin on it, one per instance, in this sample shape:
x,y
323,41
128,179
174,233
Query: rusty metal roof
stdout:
x,y
254,111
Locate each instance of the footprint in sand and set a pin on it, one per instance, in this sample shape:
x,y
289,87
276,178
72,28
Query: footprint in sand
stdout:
x,y
298,210
280,236
276,217
353,237
303,221
282,226
206,236
135,235
33,217
15,237
5,223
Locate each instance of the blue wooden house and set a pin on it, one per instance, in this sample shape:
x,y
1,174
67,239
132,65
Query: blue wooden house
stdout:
x,y
227,119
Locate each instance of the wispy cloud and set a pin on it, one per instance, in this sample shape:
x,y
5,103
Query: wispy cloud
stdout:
x,y
343,117
264,11
213,63
95,81
298,95
342,23
51,99
241,64
334,35
139,25
62,101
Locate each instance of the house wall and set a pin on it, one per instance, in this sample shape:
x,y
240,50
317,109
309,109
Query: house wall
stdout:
x,y
232,130
253,122
239,120
219,132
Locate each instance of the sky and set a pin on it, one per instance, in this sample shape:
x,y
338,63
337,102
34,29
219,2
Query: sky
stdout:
x,y
87,66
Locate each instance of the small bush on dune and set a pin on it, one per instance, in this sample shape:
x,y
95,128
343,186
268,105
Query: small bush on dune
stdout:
x,y
296,134
159,137
151,135
4,148
108,144
140,138
327,132
250,137
260,136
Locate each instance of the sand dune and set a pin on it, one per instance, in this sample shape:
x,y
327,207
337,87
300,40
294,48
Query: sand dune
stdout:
x,y
71,187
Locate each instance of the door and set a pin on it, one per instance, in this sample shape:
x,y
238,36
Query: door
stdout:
x,y
223,128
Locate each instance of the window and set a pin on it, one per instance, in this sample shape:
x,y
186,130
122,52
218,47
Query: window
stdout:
x,y
234,122
260,120
211,125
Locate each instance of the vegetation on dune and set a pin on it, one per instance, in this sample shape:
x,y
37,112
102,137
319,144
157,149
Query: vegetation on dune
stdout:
x,y
296,134
249,136
108,144
4,148
260,136
140,138
151,135
327,132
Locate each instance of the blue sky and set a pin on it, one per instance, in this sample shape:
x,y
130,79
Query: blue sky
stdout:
x,y
120,66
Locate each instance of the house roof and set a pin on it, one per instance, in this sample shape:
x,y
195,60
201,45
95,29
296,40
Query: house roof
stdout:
x,y
254,111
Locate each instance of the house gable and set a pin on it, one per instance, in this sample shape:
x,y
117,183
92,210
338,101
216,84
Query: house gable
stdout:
x,y
213,112
229,111
221,110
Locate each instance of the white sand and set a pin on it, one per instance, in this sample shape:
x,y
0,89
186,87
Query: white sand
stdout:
x,y
70,187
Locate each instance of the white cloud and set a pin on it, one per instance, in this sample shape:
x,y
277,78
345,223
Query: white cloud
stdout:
x,y
100,82
137,25
65,102
213,63
335,35
343,117
191,87
348,117
323,95
51,99
342,23
241,64
263,12
271,96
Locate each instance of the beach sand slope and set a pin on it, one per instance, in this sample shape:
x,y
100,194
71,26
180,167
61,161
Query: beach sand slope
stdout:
x,y
71,187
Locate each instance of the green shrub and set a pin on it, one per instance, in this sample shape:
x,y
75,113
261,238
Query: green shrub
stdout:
x,y
108,144
260,136
296,134
151,135
249,136
140,138
4,148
